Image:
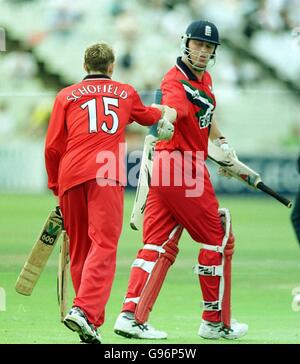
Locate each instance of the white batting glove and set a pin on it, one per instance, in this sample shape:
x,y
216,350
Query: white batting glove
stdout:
x,y
228,151
159,106
165,127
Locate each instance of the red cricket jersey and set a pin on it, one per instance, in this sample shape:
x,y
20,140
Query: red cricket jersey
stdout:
x,y
87,125
195,104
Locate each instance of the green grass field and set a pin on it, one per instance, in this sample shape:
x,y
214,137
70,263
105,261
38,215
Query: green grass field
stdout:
x,y
266,266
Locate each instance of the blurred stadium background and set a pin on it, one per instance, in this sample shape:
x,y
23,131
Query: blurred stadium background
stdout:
x,y
256,76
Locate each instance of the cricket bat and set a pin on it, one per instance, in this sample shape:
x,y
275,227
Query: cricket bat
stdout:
x,y
40,253
62,276
243,173
143,182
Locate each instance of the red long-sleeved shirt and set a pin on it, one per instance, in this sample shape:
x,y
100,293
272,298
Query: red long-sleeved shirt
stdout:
x,y
87,129
195,103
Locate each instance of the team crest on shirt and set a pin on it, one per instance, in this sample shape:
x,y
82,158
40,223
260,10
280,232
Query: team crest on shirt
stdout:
x,y
203,101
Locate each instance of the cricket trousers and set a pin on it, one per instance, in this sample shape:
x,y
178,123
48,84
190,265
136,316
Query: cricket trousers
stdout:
x,y
93,218
166,208
295,216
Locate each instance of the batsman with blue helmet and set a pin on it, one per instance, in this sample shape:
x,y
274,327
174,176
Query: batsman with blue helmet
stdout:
x,y
170,208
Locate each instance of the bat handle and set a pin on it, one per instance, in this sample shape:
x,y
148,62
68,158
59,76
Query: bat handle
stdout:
x,y
261,186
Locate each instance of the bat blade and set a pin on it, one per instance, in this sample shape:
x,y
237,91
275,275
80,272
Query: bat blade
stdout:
x,y
40,253
143,183
62,276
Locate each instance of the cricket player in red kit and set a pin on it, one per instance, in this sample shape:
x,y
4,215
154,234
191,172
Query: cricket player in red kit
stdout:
x,y
187,87
86,128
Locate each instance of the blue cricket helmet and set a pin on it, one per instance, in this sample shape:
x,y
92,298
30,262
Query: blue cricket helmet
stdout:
x,y
202,30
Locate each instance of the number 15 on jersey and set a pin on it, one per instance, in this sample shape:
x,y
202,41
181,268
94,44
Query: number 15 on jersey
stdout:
x,y
93,120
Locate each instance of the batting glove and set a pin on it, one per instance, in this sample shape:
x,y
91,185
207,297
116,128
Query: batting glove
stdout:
x,y
229,153
165,129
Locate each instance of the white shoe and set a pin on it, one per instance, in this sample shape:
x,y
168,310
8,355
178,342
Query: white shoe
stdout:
x,y
126,326
77,321
212,330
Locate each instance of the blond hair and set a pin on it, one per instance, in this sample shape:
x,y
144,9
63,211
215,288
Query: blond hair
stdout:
x,y
98,57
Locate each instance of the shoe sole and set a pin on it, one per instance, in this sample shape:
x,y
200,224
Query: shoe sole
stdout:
x,y
234,337
126,334
210,337
133,336
75,326
223,337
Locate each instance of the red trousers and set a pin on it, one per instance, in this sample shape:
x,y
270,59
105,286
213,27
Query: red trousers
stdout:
x,y
168,206
93,218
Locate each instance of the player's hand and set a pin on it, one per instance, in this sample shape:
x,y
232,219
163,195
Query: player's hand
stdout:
x,y
228,151
159,106
168,113
165,129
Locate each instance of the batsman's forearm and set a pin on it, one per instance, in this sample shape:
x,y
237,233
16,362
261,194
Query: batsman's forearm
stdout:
x,y
214,132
